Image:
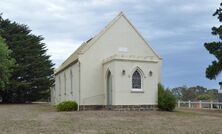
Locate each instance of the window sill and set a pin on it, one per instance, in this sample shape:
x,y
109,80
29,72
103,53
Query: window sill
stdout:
x,y
137,91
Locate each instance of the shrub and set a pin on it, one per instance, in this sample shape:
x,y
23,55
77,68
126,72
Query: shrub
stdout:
x,y
67,106
166,100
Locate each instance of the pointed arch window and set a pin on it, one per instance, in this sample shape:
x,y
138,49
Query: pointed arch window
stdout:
x,y
71,79
136,80
64,84
59,85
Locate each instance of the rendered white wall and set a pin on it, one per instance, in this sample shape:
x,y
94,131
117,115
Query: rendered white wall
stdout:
x,y
123,92
68,94
93,90
121,34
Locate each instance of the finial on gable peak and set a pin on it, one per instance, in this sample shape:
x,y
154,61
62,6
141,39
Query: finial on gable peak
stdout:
x,y
121,13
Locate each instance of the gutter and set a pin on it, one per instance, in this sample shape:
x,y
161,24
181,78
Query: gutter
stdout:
x,y
70,64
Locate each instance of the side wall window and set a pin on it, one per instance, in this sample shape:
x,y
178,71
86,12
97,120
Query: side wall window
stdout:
x,y
71,81
59,85
64,83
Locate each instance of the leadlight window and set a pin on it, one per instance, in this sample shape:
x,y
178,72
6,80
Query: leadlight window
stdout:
x,y
136,80
71,78
65,83
59,85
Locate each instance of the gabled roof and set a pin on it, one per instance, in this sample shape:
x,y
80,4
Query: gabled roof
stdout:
x,y
73,58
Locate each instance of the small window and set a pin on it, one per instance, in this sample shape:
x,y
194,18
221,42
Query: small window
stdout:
x,y
71,79
59,86
65,83
136,80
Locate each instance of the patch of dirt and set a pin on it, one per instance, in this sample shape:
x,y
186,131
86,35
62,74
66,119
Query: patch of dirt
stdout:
x,y
43,118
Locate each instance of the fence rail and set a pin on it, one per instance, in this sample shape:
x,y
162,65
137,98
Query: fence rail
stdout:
x,y
200,104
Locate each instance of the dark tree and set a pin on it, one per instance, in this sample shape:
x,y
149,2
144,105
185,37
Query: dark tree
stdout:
x,y
215,48
33,74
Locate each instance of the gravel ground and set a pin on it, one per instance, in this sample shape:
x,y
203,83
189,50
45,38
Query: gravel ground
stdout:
x,y
43,119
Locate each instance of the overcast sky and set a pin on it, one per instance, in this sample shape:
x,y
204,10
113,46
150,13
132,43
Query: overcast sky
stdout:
x,y
176,29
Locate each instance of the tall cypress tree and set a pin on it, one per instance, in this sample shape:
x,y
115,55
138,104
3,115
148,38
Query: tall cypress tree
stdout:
x,y
215,48
33,73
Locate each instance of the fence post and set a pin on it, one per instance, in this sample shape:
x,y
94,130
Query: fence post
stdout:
x,y
178,103
200,104
211,104
189,104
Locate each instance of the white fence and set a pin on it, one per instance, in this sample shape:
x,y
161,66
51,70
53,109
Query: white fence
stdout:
x,y
200,104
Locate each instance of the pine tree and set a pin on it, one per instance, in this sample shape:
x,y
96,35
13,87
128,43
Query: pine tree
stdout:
x,y
215,48
32,76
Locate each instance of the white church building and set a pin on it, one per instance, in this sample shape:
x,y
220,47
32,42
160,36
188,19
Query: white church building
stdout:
x,y
116,69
